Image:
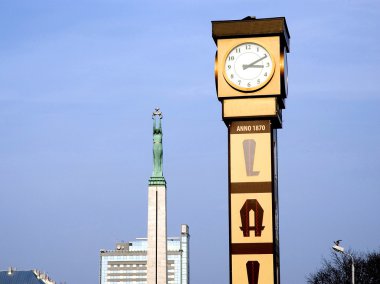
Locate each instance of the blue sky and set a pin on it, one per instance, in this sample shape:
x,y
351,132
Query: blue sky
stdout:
x,y
79,80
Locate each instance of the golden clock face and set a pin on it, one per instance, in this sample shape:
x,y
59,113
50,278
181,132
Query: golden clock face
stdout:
x,y
248,67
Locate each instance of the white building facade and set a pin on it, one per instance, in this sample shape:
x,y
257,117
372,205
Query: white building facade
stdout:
x,y
127,263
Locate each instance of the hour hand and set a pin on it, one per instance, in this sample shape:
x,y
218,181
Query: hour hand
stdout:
x,y
245,66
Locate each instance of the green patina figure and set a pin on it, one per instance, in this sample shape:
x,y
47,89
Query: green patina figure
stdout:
x,y
157,144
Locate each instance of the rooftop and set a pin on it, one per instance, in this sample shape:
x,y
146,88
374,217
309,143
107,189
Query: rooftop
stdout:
x,y
24,277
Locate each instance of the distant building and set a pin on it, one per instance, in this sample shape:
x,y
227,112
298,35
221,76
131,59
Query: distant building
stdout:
x,y
24,277
128,262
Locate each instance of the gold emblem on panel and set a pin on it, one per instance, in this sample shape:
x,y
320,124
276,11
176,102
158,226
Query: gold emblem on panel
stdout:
x,y
251,218
250,157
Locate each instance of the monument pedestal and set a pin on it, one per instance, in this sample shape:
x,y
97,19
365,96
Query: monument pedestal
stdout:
x,y
157,251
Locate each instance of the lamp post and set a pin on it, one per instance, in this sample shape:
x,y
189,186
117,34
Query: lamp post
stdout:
x,y
340,249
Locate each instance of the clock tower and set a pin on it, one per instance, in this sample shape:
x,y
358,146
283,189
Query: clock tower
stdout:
x,y
251,84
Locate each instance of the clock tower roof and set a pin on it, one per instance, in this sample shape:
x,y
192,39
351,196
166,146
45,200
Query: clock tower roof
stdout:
x,y
252,27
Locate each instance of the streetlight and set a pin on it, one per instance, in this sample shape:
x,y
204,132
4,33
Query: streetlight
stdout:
x,y
340,249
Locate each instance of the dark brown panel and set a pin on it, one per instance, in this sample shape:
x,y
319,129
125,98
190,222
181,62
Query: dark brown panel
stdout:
x,y
251,187
258,248
253,126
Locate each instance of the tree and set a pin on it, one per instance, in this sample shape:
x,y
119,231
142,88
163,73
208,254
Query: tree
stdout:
x,y
338,269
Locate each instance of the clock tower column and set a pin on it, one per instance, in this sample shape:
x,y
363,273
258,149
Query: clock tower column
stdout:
x,y
251,83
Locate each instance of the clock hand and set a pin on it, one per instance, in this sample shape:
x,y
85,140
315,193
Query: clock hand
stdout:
x,y
254,62
253,66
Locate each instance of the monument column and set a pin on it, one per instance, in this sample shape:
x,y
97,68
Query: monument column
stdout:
x,y
157,240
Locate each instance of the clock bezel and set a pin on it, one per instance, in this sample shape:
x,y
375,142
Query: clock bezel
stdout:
x,y
248,89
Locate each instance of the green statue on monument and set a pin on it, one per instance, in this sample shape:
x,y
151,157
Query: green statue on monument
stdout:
x,y
157,144
157,177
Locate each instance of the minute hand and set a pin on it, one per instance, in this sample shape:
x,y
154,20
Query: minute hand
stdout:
x,y
254,62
